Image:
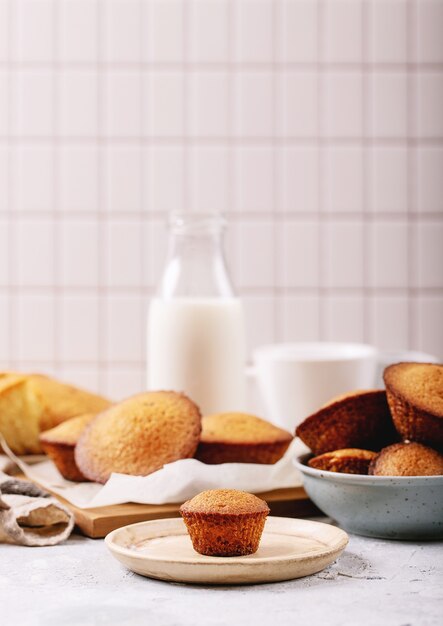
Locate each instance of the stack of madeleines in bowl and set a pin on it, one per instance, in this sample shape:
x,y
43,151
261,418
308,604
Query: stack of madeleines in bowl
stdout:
x,y
393,432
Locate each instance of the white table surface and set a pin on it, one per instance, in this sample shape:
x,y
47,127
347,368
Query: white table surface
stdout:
x,y
374,582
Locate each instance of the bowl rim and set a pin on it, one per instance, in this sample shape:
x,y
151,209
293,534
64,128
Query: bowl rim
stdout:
x,y
363,479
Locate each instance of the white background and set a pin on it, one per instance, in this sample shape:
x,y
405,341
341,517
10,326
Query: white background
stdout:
x,y
316,126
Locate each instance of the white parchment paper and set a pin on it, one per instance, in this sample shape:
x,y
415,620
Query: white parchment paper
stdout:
x,y
175,482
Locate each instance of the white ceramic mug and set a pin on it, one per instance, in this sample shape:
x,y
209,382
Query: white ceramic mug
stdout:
x,y
297,379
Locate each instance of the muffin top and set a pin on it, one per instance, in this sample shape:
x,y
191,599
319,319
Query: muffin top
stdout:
x,y
421,384
139,435
240,428
407,459
225,502
68,432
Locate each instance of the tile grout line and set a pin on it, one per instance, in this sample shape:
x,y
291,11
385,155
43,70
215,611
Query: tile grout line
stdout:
x,y
223,141
184,140
367,151
294,216
214,66
145,176
279,178
261,290
102,168
14,325
8,180
230,111
411,191
321,161
57,228
232,191
277,303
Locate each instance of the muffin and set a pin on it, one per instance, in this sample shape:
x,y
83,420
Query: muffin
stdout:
x,y
240,438
346,461
415,397
225,522
360,419
139,435
59,444
407,459
33,403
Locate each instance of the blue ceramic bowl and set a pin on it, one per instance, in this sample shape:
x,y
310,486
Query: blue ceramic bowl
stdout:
x,y
397,507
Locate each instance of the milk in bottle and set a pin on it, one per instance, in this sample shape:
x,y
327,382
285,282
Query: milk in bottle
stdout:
x,y
196,341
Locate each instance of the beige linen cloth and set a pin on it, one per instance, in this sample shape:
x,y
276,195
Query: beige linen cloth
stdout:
x,y
29,516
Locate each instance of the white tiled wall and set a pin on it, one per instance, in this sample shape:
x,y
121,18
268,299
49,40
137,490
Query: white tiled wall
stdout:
x,y
316,125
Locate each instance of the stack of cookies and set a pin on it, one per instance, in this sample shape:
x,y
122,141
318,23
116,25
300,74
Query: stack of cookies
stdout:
x,y
393,432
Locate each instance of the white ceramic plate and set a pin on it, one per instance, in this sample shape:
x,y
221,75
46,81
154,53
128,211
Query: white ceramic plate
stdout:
x,y
289,548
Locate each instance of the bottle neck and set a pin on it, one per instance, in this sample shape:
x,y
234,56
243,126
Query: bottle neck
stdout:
x,y
195,266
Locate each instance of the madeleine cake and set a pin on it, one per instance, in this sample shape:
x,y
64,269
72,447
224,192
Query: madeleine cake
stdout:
x,y
59,444
360,419
139,435
415,397
407,459
241,438
33,403
346,461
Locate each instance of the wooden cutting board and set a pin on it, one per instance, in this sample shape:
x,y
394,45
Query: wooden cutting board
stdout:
x,y
100,521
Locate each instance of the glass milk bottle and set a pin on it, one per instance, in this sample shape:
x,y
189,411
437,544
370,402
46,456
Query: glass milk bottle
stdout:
x,y
196,340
